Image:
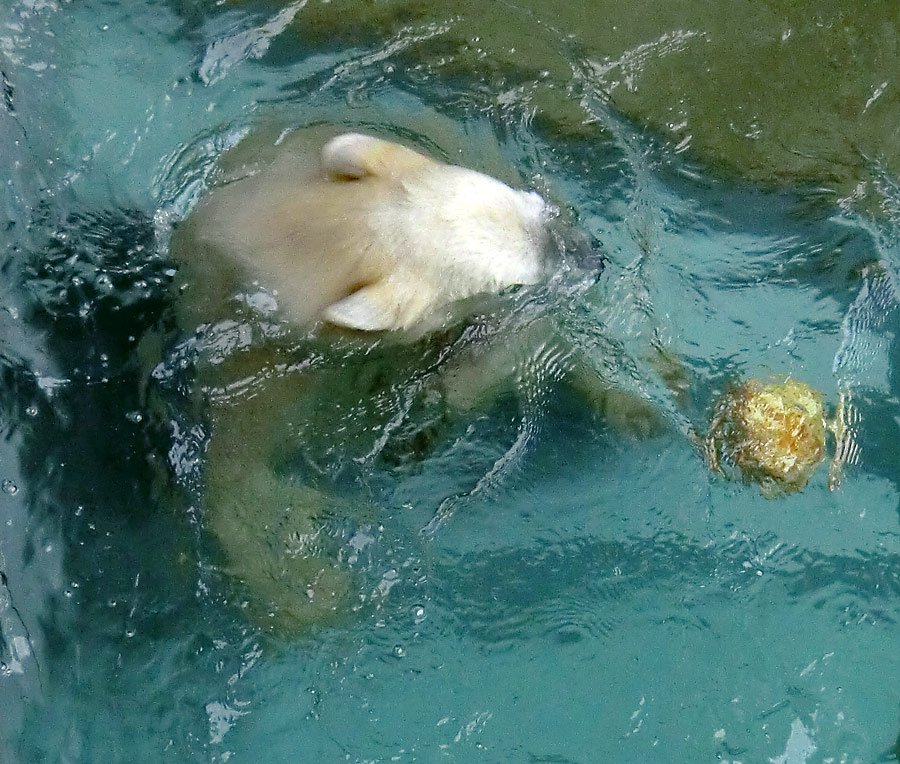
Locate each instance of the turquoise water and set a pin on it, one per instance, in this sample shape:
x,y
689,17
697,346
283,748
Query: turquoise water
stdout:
x,y
538,582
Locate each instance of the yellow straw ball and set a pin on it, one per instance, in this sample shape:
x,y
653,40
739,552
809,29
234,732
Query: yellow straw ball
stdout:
x,y
773,433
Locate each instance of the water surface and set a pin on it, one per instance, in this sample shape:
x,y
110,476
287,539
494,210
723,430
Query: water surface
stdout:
x,y
534,582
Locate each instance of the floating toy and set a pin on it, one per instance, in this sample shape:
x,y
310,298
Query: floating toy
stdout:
x,y
774,433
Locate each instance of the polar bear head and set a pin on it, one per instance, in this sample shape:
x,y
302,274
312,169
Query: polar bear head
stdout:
x,y
368,234
440,233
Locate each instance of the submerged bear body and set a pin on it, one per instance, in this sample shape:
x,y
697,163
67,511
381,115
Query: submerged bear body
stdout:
x,y
353,231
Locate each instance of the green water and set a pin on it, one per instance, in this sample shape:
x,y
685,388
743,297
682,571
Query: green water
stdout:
x,y
533,581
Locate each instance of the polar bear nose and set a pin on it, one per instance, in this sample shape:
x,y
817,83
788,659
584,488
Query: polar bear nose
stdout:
x,y
580,250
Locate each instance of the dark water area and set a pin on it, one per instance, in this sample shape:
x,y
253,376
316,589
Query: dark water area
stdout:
x,y
549,571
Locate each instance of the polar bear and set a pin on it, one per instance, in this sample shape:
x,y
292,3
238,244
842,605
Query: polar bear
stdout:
x,y
367,235
351,231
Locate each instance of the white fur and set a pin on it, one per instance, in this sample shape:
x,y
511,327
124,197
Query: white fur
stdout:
x,y
371,235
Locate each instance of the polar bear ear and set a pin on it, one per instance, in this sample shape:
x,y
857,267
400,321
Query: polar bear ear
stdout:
x,y
386,305
353,156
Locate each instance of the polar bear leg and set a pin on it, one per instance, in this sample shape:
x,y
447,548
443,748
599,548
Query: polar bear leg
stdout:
x,y
270,529
274,549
